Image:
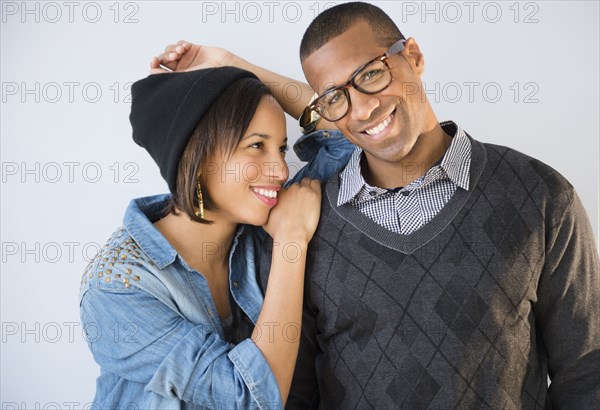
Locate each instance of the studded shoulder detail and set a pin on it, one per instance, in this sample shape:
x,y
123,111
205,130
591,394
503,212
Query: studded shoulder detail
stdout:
x,y
114,266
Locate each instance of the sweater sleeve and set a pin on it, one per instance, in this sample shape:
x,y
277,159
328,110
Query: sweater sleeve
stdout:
x,y
568,306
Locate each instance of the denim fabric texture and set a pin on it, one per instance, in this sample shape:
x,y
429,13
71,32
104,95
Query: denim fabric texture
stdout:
x,y
326,151
150,320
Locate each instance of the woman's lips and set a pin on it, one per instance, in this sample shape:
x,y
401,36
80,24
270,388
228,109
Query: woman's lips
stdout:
x,y
268,196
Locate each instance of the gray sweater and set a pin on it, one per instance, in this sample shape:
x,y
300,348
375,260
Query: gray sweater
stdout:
x,y
472,311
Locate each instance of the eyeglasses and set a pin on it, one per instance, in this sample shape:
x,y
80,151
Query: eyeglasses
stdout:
x,y
370,78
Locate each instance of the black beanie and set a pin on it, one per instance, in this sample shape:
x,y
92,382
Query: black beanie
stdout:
x,y
166,108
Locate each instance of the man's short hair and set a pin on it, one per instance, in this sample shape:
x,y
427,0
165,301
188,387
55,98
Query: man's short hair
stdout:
x,y
338,19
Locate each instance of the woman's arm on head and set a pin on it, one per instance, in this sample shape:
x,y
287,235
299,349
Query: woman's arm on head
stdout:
x,y
185,56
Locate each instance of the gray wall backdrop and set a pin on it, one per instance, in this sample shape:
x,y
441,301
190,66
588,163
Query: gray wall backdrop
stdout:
x,y
522,74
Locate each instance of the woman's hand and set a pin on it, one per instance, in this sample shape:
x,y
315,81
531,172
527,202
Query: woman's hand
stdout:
x,y
296,215
292,221
185,56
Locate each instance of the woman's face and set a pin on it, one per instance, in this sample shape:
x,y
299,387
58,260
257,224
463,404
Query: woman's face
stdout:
x,y
244,187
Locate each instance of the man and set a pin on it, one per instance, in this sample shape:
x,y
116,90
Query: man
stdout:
x,y
445,272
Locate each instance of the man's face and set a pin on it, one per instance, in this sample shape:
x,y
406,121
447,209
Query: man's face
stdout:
x,y
387,124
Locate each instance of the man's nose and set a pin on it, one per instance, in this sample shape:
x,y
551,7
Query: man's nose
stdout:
x,y
362,105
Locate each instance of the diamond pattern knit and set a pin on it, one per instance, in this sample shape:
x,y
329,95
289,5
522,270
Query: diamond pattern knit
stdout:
x,y
472,311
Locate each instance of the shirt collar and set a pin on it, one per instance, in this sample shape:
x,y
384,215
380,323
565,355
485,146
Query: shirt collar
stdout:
x,y
457,159
456,163
139,223
351,179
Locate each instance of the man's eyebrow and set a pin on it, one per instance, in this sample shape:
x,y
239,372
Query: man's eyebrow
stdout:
x,y
334,85
331,87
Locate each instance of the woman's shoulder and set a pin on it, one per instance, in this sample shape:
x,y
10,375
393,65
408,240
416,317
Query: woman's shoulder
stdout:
x,y
119,266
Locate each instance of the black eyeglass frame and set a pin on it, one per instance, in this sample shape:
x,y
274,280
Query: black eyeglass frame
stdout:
x,y
396,48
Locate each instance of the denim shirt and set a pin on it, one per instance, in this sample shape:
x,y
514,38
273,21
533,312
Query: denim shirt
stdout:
x,y
326,151
150,320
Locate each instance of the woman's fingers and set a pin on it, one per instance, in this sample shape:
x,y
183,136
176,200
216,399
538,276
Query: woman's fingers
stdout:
x,y
156,67
173,53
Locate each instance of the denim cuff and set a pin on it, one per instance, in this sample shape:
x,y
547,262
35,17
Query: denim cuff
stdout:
x,y
257,374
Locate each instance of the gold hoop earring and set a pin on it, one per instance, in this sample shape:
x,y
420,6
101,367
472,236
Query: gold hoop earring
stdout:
x,y
200,211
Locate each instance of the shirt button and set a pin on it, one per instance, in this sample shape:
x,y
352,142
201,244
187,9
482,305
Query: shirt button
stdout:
x,y
406,193
372,193
236,284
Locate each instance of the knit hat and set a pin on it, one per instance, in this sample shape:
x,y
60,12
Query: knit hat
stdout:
x,y
166,108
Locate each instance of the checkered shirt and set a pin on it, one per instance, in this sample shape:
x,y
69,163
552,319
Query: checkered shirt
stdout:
x,y
404,210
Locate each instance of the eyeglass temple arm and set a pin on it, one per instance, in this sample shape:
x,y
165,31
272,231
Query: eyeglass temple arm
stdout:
x,y
396,48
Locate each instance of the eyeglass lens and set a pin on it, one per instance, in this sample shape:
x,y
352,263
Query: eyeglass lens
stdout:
x,y
371,79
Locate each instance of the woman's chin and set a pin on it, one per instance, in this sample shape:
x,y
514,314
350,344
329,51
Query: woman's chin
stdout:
x,y
257,221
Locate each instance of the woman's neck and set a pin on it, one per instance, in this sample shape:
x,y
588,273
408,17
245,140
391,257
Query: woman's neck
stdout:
x,y
204,247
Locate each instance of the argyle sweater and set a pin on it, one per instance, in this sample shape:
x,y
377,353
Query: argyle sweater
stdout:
x,y
472,311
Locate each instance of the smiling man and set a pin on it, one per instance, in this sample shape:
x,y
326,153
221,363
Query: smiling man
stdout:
x,y
445,272
391,121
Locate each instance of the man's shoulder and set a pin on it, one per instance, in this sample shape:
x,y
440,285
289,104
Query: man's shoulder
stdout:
x,y
506,162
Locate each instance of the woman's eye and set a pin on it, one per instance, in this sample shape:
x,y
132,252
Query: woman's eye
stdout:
x,y
261,146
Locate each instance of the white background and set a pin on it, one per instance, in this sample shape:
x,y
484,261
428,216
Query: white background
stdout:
x,y
55,205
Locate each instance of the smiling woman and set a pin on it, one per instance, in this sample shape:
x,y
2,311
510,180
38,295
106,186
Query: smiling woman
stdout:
x,y
179,275
236,147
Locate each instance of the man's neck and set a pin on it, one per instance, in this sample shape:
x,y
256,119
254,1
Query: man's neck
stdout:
x,y
429,149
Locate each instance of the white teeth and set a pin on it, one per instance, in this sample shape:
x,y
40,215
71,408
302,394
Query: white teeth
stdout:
x,y
380,127
265,192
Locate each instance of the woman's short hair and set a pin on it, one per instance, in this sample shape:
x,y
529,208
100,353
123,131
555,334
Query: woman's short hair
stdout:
x,y
221,129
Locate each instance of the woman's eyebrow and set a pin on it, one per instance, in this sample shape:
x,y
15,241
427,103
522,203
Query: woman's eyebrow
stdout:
x,y
258,134
261,135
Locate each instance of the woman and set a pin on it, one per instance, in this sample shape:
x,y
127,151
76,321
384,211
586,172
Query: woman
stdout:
x,y
172,309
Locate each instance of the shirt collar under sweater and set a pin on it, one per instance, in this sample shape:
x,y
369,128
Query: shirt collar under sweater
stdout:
x,y
455,165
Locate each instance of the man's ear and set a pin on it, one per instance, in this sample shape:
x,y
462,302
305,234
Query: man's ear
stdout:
x,y
413,55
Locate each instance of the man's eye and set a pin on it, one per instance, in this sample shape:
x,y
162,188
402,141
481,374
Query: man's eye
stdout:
x,y
334,98
370,75
321,108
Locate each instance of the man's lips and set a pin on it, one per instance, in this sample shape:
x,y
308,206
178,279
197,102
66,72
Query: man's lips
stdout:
x,y
380,127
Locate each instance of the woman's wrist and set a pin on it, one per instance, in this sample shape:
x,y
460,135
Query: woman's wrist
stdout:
x,y
288,240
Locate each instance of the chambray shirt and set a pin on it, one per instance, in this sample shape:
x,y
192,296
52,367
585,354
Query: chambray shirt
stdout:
x,y
150,320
